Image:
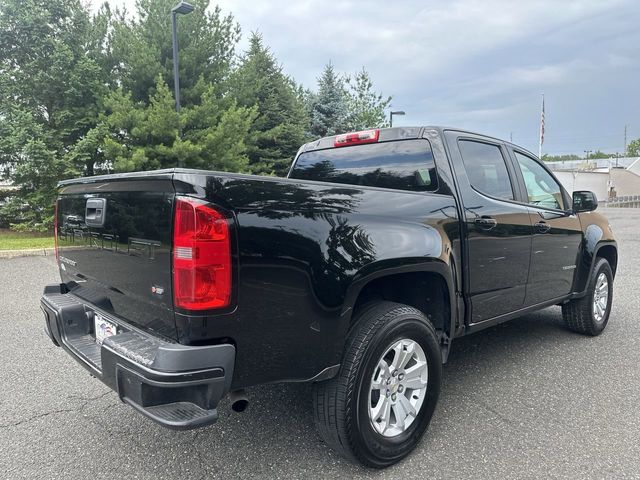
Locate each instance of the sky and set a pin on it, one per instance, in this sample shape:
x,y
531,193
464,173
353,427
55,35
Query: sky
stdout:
x,y
478,65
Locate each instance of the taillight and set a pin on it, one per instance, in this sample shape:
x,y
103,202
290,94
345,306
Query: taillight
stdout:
x,y
201,256
55,231
356,138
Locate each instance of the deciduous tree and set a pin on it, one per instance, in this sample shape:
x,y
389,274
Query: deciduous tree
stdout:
x,y
367,108
51,83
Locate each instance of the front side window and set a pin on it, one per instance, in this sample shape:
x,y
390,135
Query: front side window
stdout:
x,y
486,168
402,165
542,189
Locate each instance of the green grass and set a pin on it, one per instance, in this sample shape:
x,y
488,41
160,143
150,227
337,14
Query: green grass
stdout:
x,y
22,241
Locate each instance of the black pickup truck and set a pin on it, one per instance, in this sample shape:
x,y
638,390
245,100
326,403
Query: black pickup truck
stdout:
x,y
356,273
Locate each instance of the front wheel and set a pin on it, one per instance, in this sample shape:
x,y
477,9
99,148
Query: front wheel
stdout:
x,y
378,407
589,315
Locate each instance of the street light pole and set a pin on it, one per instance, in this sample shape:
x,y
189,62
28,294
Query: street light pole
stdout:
x,y
182,8
176,77
391,114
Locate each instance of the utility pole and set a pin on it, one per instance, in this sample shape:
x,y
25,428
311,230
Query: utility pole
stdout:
x,y
511,137
625,141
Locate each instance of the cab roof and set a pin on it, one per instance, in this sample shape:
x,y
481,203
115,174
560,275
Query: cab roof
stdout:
x,y
401,133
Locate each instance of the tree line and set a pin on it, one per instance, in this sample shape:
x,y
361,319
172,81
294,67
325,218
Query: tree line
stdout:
x,y
633,150
87,94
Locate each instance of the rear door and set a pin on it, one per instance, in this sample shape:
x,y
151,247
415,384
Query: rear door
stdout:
x,y
498,228
557,233
115,242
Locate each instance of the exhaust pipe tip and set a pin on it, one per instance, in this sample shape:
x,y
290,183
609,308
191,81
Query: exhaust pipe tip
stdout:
x,y
239,400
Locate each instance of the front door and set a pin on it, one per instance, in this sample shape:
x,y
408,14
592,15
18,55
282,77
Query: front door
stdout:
x,y
499,231
557,232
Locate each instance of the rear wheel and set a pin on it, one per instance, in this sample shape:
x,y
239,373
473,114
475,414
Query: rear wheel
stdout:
x,y
589,315
378,407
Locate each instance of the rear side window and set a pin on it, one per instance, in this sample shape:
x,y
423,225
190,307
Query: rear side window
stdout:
x,y
402,165
486,168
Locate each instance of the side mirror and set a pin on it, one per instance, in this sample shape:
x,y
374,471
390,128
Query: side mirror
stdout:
x,y
584,201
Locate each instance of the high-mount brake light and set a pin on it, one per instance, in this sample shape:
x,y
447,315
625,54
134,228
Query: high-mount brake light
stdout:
x,y
201,256
357,138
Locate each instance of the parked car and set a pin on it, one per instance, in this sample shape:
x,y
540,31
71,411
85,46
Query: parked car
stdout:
x,y
356,273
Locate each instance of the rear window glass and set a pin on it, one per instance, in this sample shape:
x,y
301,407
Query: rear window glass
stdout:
x,y
402,165
486,168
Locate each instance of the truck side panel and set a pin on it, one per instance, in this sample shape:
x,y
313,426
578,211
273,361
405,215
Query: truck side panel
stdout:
x,y
300,246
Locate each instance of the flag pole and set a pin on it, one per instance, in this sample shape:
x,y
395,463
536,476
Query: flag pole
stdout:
x,y
541,130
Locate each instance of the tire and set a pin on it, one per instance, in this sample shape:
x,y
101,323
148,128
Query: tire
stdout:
x,y
343,405
581,314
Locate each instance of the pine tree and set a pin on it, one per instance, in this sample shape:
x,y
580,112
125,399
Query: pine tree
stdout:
x,y
142,48
279,128
329,114
209,135
84,93
141,129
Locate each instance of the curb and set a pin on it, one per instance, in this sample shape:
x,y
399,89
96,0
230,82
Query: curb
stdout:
x,y
31,252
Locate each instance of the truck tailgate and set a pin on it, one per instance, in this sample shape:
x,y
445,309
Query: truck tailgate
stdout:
x,y
114,240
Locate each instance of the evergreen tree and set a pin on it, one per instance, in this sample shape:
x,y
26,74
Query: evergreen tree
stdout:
x,y
141,129
279,128
142,48
82,94
308,98
145,137
366,107
329,114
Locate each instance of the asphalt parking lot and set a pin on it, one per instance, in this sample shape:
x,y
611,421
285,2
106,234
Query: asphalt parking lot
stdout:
x,y
527,399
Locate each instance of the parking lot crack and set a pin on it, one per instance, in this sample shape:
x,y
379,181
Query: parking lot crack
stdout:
x,y
85,401
201,461
36,417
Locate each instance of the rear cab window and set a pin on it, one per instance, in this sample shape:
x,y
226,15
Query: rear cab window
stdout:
x,y
400,165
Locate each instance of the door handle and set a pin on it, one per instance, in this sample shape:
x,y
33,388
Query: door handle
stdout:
x,y
542,226
485,222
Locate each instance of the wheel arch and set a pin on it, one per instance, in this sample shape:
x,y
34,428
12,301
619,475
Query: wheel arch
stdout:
x,y
406,284
607,249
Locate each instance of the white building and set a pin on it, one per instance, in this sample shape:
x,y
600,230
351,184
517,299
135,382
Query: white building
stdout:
x,y
602,177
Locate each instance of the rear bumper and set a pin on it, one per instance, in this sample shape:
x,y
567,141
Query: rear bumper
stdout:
x,y
175,385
